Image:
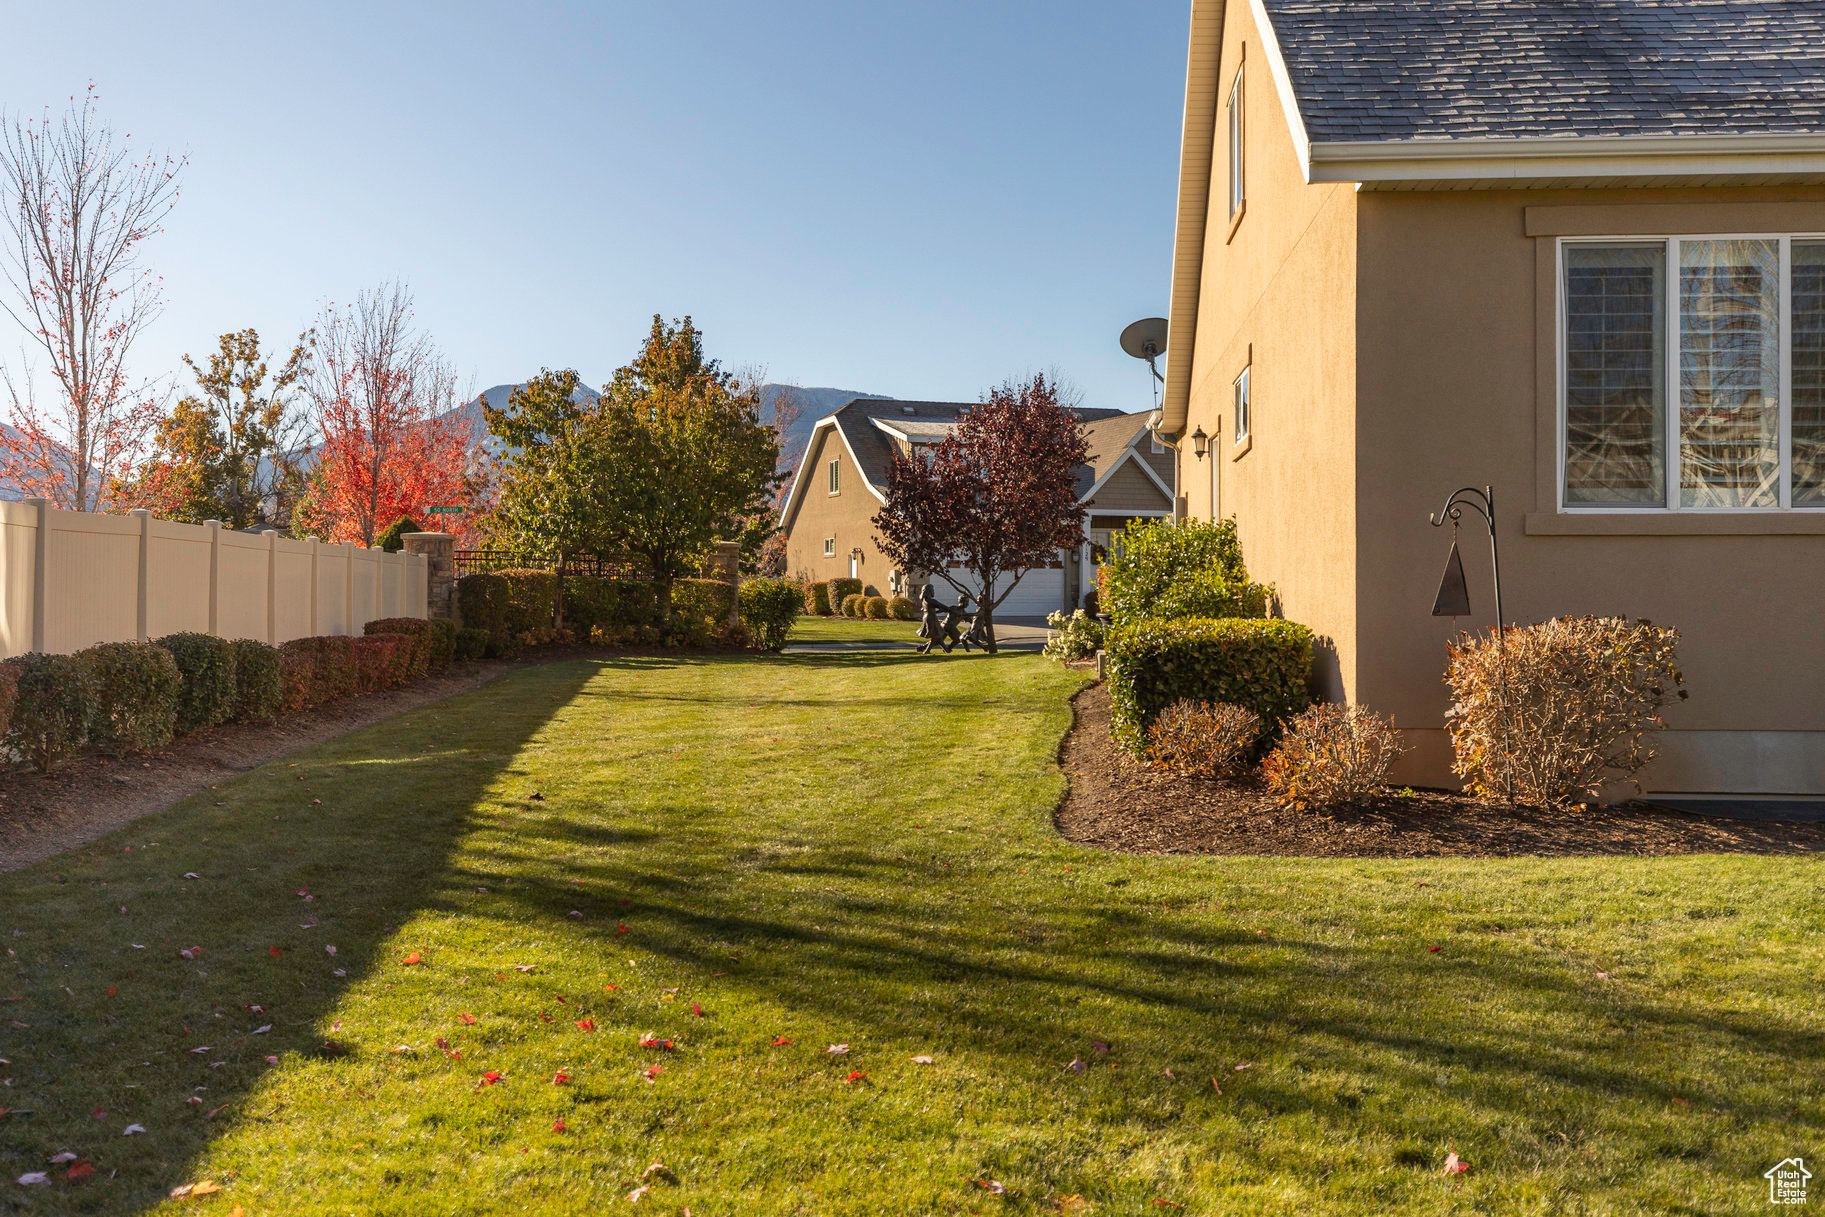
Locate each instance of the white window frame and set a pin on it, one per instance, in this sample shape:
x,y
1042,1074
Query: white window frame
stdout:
x,y
1237,128
834,477
1241,406
1672,242
830,547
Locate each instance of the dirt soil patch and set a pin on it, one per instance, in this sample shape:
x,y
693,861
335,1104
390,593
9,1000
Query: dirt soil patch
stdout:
x,y
46,813
1118,803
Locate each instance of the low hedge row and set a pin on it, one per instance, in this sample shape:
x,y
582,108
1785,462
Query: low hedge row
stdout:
x,y
1261,664
136,697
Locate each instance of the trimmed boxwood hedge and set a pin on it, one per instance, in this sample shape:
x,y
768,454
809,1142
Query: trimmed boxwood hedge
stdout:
x,y
817,598
259,686
700,611
207,665
841,590
56,702
617,607
418,635
1261,664
137,687
902,609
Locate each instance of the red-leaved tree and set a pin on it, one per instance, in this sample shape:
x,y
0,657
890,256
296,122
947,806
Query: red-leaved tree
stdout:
x,y
381,395
997,498
76,210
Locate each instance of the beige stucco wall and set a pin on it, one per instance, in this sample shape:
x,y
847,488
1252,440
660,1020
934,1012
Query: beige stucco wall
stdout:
x,y
1277,298
1457,385
848,516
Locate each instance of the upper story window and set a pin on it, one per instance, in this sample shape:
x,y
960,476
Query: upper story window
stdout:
x,y
1239,396
836,476
1236,195
830,547
1693,373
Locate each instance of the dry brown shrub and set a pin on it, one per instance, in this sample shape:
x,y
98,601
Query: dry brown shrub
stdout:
x,y
1203,739
1332,754
1560,708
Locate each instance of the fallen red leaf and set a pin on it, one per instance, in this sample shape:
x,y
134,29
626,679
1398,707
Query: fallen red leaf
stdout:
x,y
620,928
855,1075
467,1018
491,1077
559,1078
653,1072
559,1127
110,990
275,952
782,1042
409,960
586,1024
649,1040
98,1114
610,988
1434,948
80,1170
1455,1166
1167,1204
696,1009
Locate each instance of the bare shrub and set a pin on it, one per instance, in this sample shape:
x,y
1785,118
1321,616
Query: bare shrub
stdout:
x,y
1554,710
1202,738
1332,754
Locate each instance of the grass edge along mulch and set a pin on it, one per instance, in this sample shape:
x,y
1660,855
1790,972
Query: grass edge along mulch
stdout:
x,y
1116,802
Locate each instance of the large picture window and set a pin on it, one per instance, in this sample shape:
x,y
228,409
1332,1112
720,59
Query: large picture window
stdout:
x,y
1693,373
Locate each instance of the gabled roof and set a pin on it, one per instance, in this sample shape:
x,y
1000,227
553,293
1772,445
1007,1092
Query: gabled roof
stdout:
x,y
867,426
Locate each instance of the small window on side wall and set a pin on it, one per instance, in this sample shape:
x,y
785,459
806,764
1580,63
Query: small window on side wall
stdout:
x,y
830,547
1236,168
1240,433
836,476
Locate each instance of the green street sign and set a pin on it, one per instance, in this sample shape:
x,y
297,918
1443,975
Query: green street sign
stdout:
x,y
438,511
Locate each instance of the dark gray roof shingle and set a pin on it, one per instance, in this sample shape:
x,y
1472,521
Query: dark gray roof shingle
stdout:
x,y
872,447
1378,70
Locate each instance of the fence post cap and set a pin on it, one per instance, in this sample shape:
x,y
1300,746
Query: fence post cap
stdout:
x,y
137,511
212,523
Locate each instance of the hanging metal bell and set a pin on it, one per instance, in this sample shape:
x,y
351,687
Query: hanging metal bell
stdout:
x,y
1453,593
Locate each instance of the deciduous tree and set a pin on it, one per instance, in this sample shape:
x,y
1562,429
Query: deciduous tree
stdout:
x,y
229,451
545,477
78,208
998,496
381,395
683,457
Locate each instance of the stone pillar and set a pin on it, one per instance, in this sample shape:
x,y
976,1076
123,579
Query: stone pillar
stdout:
x,y
725,564
439,549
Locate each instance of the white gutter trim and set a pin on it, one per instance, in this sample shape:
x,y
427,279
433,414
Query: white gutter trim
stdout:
x,y
1565,156
1197,146
797,493
1283,85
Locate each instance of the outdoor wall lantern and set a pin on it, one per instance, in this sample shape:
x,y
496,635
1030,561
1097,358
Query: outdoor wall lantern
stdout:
x,y
1453,598
1200,443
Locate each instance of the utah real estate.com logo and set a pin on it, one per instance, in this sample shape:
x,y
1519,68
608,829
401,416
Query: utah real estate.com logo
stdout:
x,y
1787,1181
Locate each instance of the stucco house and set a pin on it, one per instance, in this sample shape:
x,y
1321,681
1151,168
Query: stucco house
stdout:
x,y
842,482
1575,252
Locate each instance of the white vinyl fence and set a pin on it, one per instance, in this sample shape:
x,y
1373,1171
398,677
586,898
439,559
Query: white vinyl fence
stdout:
x,y
71,579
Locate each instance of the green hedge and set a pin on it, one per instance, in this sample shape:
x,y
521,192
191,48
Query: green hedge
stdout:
x,y
902,609
817,599
9,696
532,600
700,611
331,660
56,702
1263,665
207,665
770,608
469,643
137,686
515,607
875,607
259,686
482,601
1188,569
418,646
617,607
443,643
841,590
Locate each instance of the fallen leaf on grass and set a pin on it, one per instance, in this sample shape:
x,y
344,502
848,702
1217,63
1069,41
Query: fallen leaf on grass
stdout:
x,y
1679,1102
80,1170
610,988
491,1077
559,1078
559,1127
837,1049
696,1010
401,1050
133,1128
620,928
467,1018
192,875
1455,1165
329,948
780,1041
922,1060
649,1040
262,1030
1244,1065
1604,976
1076,1066
1435,948
855,1075
411,959
992,1187
272,1060
110,990
213,1112
191,953
525,967
652,1074
1099,1045
60,1159
197,1051
633,1197
1215,1086
586,1024
207,1187
98,1114
1166,1204
31,1177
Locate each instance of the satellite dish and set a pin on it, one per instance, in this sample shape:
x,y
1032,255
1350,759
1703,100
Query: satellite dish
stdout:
x,y
1146,338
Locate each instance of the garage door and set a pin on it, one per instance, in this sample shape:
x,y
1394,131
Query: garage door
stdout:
x,y
1039,592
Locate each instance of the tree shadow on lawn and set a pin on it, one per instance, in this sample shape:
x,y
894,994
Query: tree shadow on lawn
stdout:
x,y
115,1028
1492,1041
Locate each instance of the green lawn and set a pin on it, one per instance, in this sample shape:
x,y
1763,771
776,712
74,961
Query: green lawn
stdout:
x,y
856,849
852,630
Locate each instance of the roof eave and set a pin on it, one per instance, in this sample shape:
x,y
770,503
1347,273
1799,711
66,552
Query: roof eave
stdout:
x,y
1197,142
1528,159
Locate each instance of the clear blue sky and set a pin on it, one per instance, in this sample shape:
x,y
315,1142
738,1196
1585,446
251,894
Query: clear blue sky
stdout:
x,y
911,199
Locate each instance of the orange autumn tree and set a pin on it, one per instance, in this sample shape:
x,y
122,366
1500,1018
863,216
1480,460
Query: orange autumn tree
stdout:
x,y
381,396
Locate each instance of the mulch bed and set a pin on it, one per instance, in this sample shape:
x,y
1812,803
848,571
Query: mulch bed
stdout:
x,y
1116,802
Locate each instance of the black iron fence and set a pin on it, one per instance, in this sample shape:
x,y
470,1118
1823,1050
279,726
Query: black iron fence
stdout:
x,y
604,566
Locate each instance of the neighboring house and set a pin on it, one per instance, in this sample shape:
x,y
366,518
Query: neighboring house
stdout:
x,y
1572,251
842,483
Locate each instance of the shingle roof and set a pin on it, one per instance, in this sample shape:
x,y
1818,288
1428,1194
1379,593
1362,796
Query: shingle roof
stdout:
x,y
873,448
1379,70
